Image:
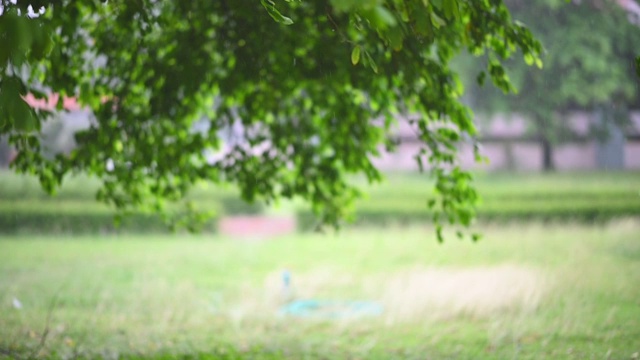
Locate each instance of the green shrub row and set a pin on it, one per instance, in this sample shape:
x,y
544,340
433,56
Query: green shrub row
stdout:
x,y
88,216
373,214
401,199
419,203
87,222
19,189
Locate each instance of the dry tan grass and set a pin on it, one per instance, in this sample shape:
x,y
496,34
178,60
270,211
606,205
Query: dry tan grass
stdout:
x,y
417,294
434,293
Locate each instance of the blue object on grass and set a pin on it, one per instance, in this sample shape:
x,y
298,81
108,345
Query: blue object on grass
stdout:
x,y
327,309
286,278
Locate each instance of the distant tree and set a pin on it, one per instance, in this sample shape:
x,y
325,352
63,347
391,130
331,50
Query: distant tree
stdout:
x,y
306,89
589,50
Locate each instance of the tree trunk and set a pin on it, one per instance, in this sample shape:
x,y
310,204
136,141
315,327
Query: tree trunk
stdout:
x,y
547,155
5,152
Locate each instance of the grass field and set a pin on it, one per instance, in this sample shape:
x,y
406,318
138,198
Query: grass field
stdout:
x,y
526,291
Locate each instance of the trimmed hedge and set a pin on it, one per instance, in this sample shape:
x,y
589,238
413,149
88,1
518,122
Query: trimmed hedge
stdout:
x,y
307,221
406,205
25,208
15,188
81,217
89,222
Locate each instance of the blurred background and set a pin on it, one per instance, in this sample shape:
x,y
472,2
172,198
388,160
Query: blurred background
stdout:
x,y
555,275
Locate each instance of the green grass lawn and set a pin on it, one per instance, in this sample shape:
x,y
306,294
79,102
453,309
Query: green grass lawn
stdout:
x,y
526,291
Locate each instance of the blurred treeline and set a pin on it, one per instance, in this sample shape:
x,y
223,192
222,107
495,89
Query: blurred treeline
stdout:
x,y
588,65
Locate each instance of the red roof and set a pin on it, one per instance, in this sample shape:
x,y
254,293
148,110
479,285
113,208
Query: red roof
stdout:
x,y
68,103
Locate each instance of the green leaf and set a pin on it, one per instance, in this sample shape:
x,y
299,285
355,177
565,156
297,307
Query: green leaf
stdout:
x,y
117,146
528,59
20,116
396,38
372,63
385,16
274,13
439,235
451,9
437,21
482,75
355,55
24,118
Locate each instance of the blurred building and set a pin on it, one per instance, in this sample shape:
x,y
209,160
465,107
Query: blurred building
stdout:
x,y
507,143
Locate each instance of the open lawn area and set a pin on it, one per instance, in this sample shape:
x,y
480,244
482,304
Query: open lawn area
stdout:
x,y
525,291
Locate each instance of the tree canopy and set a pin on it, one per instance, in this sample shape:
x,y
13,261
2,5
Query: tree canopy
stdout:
x,y
314,87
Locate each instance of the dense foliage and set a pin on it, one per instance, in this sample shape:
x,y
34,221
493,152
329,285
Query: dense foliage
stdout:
x,y
312,95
